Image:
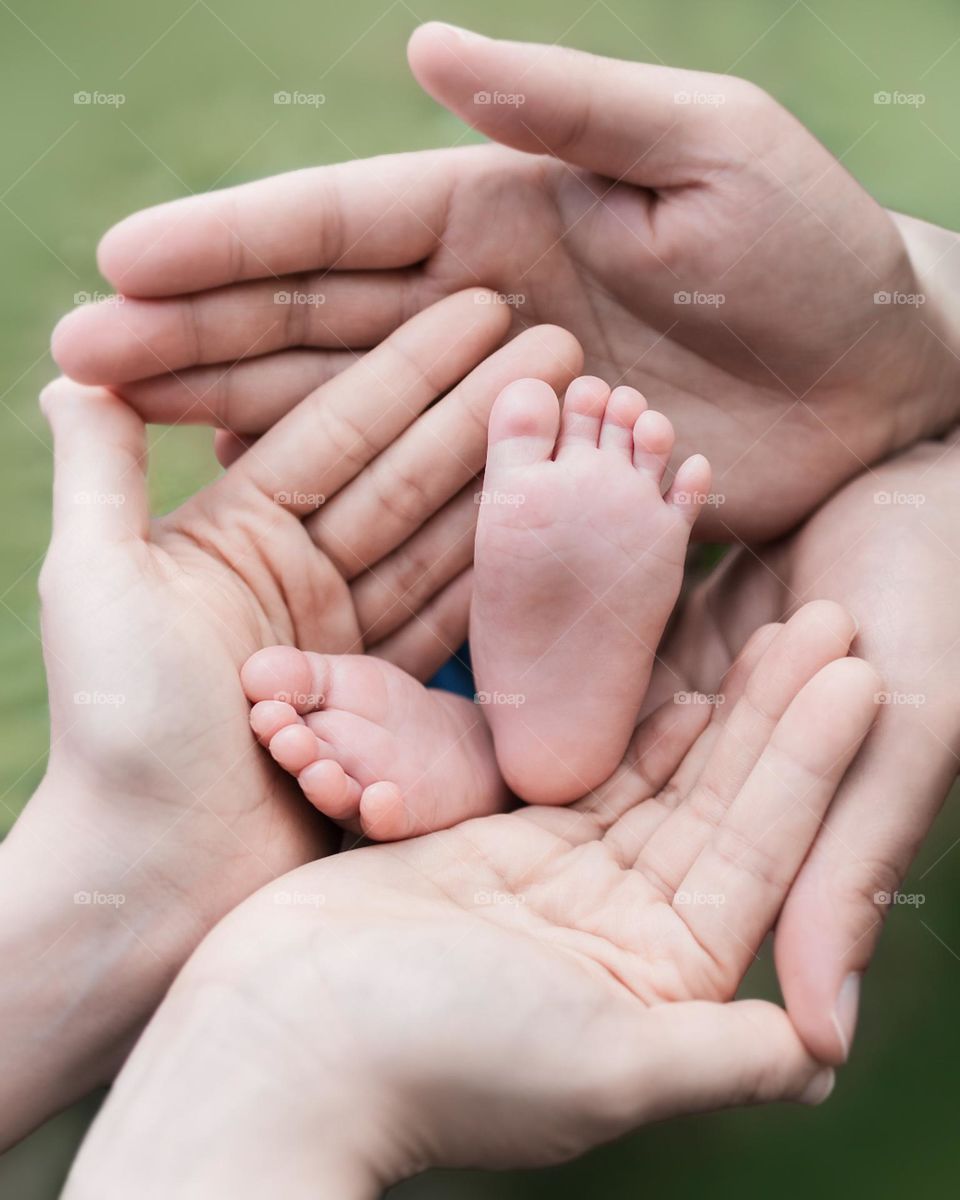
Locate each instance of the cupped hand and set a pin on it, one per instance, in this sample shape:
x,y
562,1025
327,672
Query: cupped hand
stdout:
x,y
516,989
887,548
695,237
343,529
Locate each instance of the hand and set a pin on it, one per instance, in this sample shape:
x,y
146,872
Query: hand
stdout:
x,y
790,385
887,548
514,990
157,805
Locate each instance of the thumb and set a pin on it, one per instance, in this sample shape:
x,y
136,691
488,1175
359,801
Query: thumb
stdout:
x,y
650,125
833,917
99,481
700,1056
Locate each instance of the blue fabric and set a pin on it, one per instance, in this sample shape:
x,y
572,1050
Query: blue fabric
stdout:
x,y
456,675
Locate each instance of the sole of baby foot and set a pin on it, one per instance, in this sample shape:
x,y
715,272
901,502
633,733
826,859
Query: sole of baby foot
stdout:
x,y
370,746
579,562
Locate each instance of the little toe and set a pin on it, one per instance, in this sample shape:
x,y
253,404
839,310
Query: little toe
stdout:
x,y
384,815
652,444
691,487
330,789
583,408
294,748
623,409
285,673
523,425
268,717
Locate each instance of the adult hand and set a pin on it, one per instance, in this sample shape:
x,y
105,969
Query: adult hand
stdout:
x,y
158,812
659,186
887,548
517,989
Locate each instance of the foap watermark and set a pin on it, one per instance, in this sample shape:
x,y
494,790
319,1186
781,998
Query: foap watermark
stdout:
x,y
900,699
700,899
100,499
99,699
300,299
100,899
97,298
299,899
514,299
100,99
899,499
503,99
900,299
700,299
301,699
706,99
695,698
503,499
900,99
502,899
899,899
300,499
299,99
703,499
506,699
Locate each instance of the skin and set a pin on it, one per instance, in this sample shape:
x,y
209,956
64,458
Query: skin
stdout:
x,y
579,562
887,548
430,963
605,199
157,804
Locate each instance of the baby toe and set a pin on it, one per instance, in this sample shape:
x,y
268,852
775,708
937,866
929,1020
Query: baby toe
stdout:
x,y
294,748
622,412
583,409
268,717
652,444
330,789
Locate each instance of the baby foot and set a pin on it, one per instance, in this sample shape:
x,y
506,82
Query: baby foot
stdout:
x,y
579,561
370,746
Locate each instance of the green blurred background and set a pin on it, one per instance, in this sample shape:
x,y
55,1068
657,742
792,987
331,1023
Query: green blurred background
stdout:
x,y
198,80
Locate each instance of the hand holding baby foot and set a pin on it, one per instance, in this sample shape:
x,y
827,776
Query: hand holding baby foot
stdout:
x,y
579,561
595,950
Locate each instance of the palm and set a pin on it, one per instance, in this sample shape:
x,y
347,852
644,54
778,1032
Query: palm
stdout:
x,y
561,941
767,379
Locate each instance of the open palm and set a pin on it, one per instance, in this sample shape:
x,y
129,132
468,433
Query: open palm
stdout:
x,y
520,987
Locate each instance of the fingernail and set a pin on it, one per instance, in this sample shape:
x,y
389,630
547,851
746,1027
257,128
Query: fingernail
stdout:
x,y
845,1011
819,1087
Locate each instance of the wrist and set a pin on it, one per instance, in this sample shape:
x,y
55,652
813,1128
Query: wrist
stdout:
x,y
83,962
247,1108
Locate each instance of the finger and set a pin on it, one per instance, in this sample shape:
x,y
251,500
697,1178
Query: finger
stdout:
x,y
371,213
625,120
745,870
698,1056
331,435
816,635
436,456
99,478
246,397
397,587
834,914
657,748
117,343
636,782
433,636
228,447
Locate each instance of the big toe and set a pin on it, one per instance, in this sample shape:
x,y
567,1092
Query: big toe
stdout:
x,y
284,673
